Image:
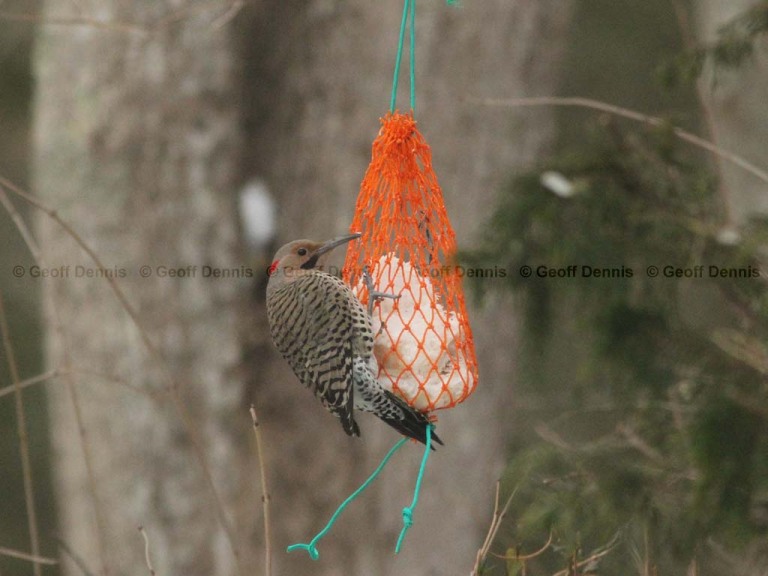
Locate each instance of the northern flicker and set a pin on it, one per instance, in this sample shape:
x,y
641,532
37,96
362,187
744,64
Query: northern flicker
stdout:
x,y
325,334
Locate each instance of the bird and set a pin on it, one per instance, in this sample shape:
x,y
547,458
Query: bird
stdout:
x,y
325,334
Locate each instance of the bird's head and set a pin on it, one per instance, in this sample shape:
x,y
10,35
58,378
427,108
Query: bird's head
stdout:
x,y
300,256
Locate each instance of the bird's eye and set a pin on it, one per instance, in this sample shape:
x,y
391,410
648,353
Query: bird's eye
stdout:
x,y
301,252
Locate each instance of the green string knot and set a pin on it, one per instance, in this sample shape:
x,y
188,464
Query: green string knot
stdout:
x,y
408,511
314,553
407,517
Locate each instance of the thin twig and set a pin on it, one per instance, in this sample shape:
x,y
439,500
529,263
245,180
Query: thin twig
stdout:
x,y
147,559
265,497
631,115
21,226
29,382
173,386
28,557
58,372
568,571
21,426
503,513
58,329
90,471
87,249
524,557
637,442
483,551
548,435
159,397
494,527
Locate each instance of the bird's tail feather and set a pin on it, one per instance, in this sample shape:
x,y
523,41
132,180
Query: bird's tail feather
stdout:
x,y
408,421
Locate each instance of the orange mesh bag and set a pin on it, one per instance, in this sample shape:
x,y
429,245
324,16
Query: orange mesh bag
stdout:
x,y
423,344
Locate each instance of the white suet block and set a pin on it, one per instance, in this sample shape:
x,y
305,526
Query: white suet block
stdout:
x,y
415,342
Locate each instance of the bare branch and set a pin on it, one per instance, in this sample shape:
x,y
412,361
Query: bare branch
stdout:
x,y
147,559
483,551
592,558
29,382
171,383
637,442
631,115
91,254
58,329
21,226
28,557
21,426
265,497
493,528
548,435
524,557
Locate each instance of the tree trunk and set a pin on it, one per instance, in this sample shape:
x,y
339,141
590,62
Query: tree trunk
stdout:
x,y
320,77
137,148
736,99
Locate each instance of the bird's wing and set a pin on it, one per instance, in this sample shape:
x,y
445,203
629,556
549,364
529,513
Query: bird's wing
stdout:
x,y
325,361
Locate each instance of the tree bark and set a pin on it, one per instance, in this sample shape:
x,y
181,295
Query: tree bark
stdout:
x,y
137,147
320,77
736,100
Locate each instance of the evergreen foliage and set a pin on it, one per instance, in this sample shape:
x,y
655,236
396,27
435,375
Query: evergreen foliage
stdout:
x,y
647,394
734,45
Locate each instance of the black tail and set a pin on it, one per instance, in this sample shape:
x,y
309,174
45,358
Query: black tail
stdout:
x,y
408,421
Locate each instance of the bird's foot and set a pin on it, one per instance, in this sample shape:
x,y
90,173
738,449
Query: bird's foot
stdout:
x,y
373,294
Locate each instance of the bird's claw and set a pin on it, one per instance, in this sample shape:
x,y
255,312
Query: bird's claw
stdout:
x,y
373,294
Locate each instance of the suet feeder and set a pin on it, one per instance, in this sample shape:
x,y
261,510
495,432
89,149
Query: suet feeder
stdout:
x,y
423,344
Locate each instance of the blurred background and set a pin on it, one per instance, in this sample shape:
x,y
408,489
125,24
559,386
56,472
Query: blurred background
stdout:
x,y
625,416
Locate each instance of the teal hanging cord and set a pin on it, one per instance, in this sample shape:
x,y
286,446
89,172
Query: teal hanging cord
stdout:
x,y
408,512
400,43
409,8
311,548
412,56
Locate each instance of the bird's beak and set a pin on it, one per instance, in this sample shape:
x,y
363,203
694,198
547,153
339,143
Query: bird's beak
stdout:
x,y
336,242
328,246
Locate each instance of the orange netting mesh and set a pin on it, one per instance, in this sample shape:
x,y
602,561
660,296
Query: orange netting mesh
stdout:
x,y
423,343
